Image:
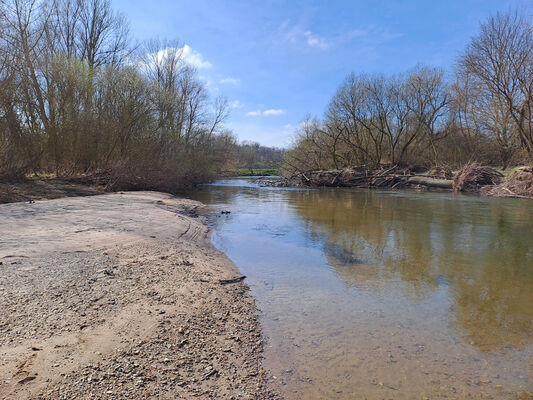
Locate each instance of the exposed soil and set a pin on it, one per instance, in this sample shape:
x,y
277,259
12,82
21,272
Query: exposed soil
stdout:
x,y
46,188
119,296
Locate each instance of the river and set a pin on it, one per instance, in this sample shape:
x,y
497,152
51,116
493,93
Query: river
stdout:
x,y
384,294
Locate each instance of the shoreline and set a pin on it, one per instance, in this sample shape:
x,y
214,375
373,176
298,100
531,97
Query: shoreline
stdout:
x,y
472,178
119,296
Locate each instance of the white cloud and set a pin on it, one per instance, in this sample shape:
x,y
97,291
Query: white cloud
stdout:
x,y
185,53
273,112
291,128
194,58
298,35
230,81
315,41
236,104
365,35
266,112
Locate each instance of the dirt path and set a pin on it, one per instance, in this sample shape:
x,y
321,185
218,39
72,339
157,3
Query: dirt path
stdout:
x,y
118,296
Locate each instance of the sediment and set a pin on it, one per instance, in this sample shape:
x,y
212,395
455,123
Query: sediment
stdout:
x,y
118,296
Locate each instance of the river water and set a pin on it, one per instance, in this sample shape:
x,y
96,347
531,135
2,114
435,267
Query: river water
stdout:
x,y
384,295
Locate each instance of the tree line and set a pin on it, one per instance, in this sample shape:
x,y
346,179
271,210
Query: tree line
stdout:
x,y
424,117
77,96
253,155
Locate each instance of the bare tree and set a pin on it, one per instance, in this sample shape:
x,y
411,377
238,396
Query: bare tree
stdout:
x,y
378,118
102,34
500,61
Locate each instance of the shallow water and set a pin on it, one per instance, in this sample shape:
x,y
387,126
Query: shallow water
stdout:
x,y
385,295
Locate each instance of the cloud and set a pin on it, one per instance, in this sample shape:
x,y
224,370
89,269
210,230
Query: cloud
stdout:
x,y
194,58
293,128
230,81
357,33
297,35
266,112
236,104
273,112
206,80
185,53
371,33
364,35
315,41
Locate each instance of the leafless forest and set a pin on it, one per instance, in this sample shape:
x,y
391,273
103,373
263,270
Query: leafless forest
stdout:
x,y
481,110
79,97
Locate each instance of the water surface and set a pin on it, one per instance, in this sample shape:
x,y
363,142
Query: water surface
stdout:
x,y
385,295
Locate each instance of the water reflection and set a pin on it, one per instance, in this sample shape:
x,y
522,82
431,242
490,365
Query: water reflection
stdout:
x,y
480,249
385,294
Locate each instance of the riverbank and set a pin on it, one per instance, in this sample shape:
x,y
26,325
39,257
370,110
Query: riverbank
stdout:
x,y
41,188
473,178
120,296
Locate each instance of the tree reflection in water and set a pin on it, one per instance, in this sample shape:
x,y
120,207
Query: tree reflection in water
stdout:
x,y
480,249
385,294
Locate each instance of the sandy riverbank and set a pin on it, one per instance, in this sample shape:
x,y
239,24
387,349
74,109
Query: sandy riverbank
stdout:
x,y
118,296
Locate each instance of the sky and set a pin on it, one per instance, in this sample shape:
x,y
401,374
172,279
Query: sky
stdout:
x,y
278,61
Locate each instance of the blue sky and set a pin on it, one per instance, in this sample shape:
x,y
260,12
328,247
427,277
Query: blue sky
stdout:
x,y
278,60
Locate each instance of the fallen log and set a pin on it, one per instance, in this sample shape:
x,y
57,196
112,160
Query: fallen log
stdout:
x,y
431,182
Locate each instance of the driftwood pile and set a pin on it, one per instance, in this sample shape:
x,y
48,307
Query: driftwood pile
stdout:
x,y
519,184
475,176
394,177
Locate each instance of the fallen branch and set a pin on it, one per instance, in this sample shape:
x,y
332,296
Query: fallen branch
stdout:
x,y
232,280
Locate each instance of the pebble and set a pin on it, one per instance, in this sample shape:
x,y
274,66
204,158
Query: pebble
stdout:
x,y
219,338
